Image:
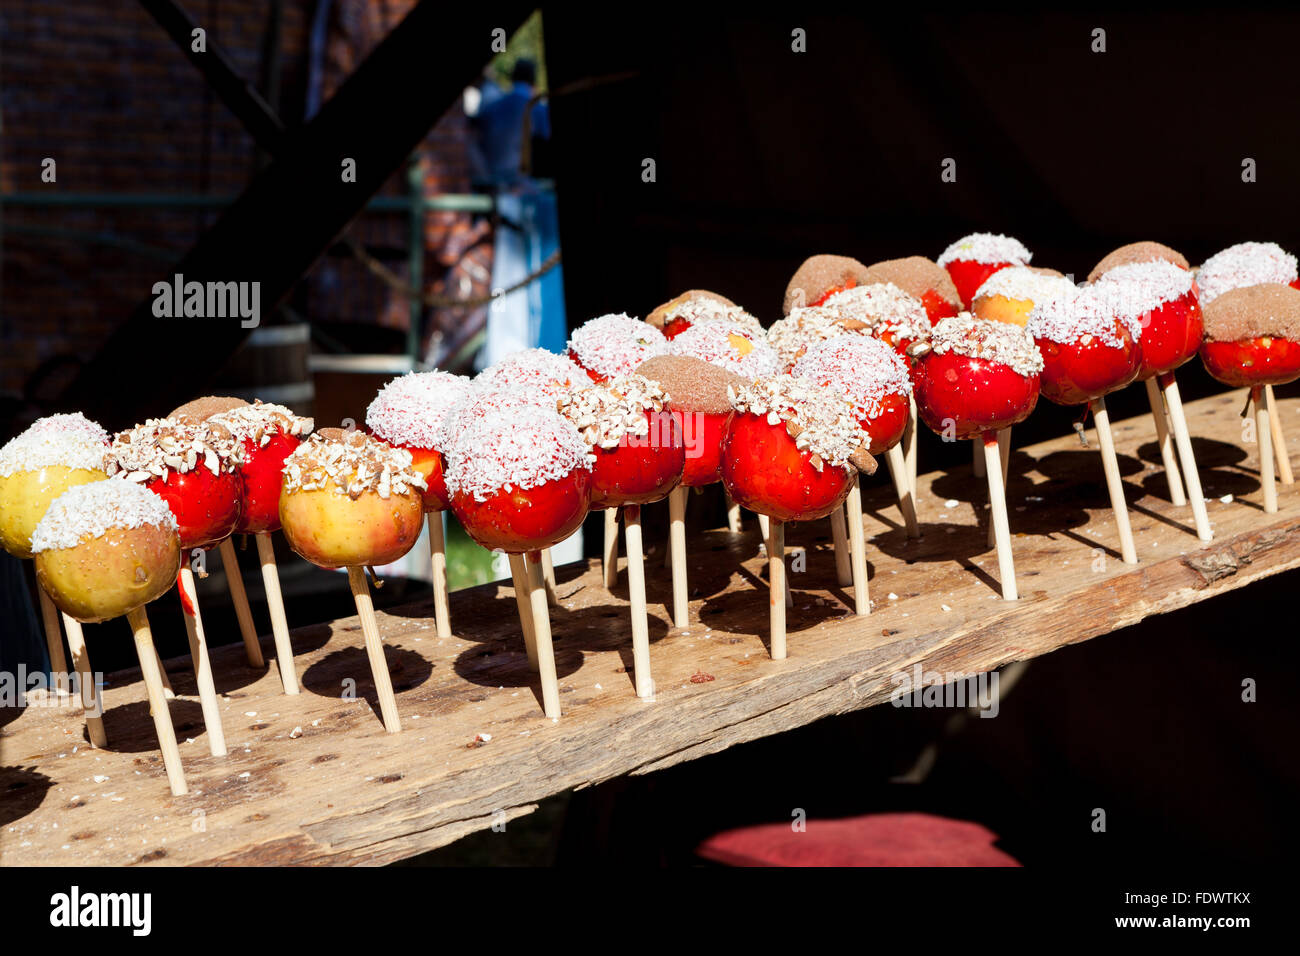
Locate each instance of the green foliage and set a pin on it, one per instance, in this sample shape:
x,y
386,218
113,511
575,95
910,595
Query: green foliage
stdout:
x,y
525,44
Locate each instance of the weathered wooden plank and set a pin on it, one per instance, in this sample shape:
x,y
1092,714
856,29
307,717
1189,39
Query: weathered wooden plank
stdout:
x,y
315,780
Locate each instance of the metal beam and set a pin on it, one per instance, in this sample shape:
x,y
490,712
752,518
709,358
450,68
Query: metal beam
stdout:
x,y
295,208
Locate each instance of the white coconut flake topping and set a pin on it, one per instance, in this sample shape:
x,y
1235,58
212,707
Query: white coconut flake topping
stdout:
x,y
987,247
352,465
603,413
1135,289
91,511
1022,284
262,421
485,398
884,307
821,421
533,368
521,448
70,441
862,369
1242,265
998,342
616,344
701,310
409,410
732,347
164,445
1075,315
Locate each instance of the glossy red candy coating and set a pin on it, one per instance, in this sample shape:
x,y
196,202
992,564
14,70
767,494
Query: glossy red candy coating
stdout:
x,y
261,475
675,327
429,463
850,284
641,469
968,276
1295,283
765,472
963,397
594,376
1075,373
937,307
1251,362
206,506
702,436
1171,334
518,521
886,429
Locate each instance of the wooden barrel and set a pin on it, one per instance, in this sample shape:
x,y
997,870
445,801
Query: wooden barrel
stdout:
x,y
273,364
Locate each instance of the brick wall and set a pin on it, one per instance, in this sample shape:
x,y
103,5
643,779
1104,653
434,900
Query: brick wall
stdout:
x,y
101,89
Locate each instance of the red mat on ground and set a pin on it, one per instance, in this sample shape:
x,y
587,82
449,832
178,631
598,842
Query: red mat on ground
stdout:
x,y
884,839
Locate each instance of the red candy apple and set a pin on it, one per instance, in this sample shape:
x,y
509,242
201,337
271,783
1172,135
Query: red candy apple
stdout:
x,y
972,259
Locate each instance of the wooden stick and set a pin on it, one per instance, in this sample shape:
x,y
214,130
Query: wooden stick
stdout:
x,y
977,460
239,596
542,634
909,437
840,540
1279,440
91,701
906,503
548,578
1001,526
1164,439
609,557
275,603
53,641
438,567
1183,439
677,549
375,649
162,673
764,526
858,546
202,665
162,718
1114,484
645,687
776,586
1264,435
1004,456
733,517
519,577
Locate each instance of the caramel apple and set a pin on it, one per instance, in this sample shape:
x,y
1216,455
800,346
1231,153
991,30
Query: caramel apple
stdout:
x,y
350,500
408,412
190,465
639,456
792,451
636,442
269,435
972,259
1088,349
520,481
696,307
53,455
820,277
614,345
105,549
978,376
923,278
1252,336
876,381
734,347
1135,252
